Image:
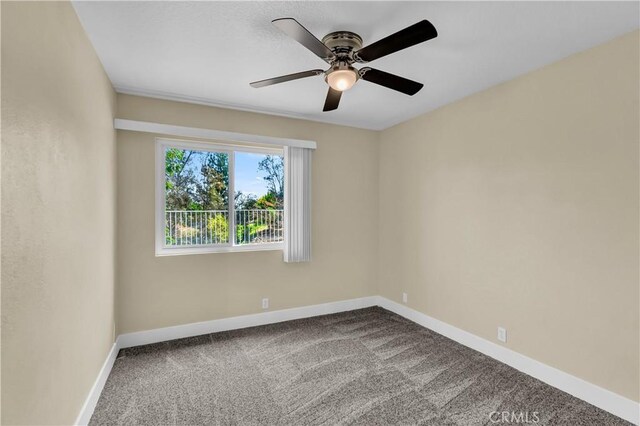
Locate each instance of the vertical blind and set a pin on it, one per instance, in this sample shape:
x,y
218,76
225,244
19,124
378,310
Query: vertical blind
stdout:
x,y
297,204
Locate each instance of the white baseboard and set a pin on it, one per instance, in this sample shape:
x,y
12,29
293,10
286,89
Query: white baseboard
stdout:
x,y
244,321
593,394
94,394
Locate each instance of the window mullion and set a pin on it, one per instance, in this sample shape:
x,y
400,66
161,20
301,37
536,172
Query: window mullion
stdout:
x,y
231,197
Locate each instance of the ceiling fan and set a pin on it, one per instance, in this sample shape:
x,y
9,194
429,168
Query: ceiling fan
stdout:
x,y
341,49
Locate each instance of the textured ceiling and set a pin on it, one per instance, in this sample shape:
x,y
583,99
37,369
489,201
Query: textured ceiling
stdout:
x,y
208,52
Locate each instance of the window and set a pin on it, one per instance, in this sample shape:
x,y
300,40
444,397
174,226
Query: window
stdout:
x,y
215,198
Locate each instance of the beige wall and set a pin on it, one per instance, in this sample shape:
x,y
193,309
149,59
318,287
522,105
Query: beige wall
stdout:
x,y
58,212
518,206
163,291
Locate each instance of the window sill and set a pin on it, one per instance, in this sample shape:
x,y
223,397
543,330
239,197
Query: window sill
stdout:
x,y
185,250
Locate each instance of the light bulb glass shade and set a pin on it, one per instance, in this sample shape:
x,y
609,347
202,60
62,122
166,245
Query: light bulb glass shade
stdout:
x,y
342,80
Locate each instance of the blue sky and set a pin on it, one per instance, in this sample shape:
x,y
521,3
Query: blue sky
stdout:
x,y
248,179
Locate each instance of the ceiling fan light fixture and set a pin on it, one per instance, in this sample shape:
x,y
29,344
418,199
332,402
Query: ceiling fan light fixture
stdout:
x,y
342,79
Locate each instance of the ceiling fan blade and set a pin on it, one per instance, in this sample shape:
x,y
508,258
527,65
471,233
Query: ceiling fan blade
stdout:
x,y
332,101
283,78
416,33
295,30
391,81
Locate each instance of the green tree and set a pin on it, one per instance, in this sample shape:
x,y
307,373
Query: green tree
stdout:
x,y
268,201
180,180
273,166
219,229
213,188
245,201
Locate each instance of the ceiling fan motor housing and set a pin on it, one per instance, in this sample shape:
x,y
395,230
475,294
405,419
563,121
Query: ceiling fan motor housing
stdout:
x,y
342,44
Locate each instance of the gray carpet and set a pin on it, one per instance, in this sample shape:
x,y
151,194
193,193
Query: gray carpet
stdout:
x,y
366,367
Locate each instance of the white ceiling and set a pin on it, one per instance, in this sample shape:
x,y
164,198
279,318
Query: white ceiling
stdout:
x,y
208,52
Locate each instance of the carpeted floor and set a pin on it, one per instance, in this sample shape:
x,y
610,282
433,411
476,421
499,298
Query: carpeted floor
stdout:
x,y
364,367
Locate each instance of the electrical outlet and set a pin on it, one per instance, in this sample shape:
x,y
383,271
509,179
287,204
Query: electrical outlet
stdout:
x,y
265,303
502,334
404,297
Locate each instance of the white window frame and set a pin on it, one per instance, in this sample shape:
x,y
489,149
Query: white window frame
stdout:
x,y
161,248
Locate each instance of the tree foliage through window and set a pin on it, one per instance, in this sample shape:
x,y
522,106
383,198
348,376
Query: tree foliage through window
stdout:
x,y
199,180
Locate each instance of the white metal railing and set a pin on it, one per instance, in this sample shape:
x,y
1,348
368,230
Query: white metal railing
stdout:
x,y
205,227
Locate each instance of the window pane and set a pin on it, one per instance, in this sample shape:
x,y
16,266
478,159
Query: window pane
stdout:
x,y
259,198
197,197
